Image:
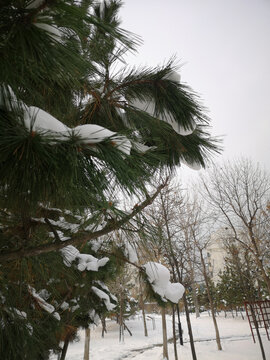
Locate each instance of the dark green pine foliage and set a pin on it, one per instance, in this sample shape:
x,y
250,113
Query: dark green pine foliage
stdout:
x,y
203,296
229,289
122,93
31,325
239,284
57,57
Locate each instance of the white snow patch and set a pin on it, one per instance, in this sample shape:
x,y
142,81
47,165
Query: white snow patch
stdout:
x,y
94,316
159,278
53,31
149,107
39,120
130,252
194,166
142,147
21,314
60,234
173,76
29,328
85,261
69,253
42,303
105,297
89,262
64,305
34,4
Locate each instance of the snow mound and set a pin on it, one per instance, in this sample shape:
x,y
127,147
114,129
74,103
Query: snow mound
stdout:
x,y
159,278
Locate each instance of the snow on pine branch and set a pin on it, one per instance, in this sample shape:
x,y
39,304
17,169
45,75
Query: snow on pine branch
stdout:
x,y
42,303
105,297
130,252
85,261
38,120
101,284
149,107
159,278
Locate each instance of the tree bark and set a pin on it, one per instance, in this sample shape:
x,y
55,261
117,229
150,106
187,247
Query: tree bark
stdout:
x,y
195,300
211,302
179,326
143,311
65,347
174,333
192,346
190,334
86,344
78,240
103,322
121,320
164,332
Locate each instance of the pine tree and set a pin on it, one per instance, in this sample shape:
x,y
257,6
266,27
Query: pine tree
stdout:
x,y
73,136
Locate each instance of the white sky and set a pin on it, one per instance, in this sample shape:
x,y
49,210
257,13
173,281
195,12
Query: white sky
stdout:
x,y
223,47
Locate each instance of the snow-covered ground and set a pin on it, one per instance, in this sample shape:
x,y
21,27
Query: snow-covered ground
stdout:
x,y
235,333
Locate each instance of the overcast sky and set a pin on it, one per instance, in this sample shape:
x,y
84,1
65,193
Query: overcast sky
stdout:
x,y
223,47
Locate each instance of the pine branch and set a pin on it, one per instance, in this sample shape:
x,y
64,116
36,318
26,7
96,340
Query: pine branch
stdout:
x,y
128,83
111,226
57,238
38,9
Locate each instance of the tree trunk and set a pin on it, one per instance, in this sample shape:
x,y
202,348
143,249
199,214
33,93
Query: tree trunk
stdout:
x,y
86,344
164,332
174,333
190,334
126,328
195,300
121,321
65,347
103,322
143,311
192,346
211,303
179,326
193,286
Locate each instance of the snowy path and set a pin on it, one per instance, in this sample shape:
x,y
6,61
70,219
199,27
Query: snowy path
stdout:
x,y
133,354
236,340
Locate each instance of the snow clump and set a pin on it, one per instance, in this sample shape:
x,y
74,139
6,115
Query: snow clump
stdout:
x,y
159,278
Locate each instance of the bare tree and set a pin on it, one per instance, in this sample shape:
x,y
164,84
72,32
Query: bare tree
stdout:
x,y
196,230
168,241
240,192
210,298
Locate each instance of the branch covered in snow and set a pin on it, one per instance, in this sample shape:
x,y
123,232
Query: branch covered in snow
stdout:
x,y
43,304
111,226
85,261
40,121
105,297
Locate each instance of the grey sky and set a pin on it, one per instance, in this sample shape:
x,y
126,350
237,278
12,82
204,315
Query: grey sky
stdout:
x,y
223,47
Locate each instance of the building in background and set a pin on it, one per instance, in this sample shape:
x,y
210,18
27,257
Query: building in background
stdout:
x,y
216,254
